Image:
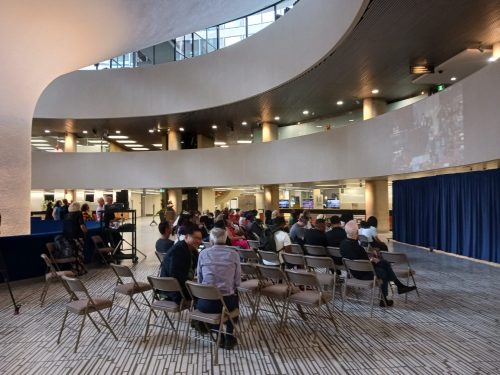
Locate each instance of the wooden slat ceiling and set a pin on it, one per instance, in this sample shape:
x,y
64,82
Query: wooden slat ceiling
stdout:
x,y
377,54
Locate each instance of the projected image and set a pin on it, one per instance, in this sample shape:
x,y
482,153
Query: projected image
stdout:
x,y
307,203
284,203
433,137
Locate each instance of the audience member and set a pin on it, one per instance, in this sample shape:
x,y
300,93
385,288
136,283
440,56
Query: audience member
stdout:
x,y
350,249
99,211
346,217
373,223
316,236
236,237
48,211
164,242
337,234
219,265
87,216
56,212
64,209
298,230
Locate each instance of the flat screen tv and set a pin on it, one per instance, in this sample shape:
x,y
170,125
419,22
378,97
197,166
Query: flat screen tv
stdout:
x,y
308,203
332,203
284,203
89,197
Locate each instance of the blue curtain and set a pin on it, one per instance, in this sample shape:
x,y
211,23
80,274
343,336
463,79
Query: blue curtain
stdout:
x,y
458,213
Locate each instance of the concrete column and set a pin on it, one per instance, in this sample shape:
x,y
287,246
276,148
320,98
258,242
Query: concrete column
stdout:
x,y
164,142
269,132
69,142
373,107
318,199
113,147
206,199
175,195
174,140
143,203
377,203
496,51
271,197
203,141
259,201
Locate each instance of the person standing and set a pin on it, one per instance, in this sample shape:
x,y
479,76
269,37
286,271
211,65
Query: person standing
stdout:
x,y
56,212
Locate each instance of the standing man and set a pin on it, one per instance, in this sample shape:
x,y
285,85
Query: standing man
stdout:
x,y
99,211
219,265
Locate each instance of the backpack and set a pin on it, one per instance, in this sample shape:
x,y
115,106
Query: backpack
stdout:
x,y
267,240
63,247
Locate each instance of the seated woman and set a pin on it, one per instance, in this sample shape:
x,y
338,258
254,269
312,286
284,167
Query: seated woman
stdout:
x,y
87,216
364,230
376,242
235,235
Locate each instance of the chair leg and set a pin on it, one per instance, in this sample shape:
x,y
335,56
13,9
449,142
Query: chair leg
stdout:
x,y
184,345
44,292
373,295
147,325
94,323
332,318
414,283
112,302
80,332
284,314
217,342
343,293
62,327
148,303
107,325
169,320
128,308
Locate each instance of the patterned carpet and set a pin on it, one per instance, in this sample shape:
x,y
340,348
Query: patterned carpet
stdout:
x,y
453,328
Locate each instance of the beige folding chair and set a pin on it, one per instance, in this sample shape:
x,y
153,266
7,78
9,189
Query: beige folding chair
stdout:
x,y
314,296
334,252
103,250
319,251
254,245
294,260
128,289
275,287
51,247
84,306
52,275
351,281
165,284
322,267
270,257
401,267
160,257
248,255
250,286
297,249
209,292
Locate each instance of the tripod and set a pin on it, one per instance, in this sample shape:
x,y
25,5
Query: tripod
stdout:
x,y
5,274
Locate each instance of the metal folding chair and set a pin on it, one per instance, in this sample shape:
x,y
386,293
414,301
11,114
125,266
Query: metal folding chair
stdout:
x,y
401,267
160,257
322,267
249,256
297,249
53,275
254,245
250,286
103,250
319,251
294,260
270,257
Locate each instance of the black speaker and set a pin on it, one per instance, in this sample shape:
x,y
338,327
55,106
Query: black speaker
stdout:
x,y
122,197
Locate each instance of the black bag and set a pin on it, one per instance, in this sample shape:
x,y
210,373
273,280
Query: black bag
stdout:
x,y
63,247
267,241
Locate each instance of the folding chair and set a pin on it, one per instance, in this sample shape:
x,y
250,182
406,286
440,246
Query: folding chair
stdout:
x,y
84,306
275,286
128,289
360,266
334,252
72,261
52,275
314,296
102,249
270,257
160,257
209,292
313,250
248,255
251,285
321,266
297,249
165,284
364,242
294,260
254,245
401,267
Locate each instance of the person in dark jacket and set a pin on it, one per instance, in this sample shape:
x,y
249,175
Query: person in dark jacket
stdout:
x,y
316,236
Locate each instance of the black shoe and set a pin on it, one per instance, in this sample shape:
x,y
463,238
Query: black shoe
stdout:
x,y
222,342
405,289
230,342
387,303
199,327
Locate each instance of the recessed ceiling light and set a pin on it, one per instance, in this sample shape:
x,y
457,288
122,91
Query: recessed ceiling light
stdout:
x,y
181,129
182,142
453,78
244,141
157,145
319,126
244,123
305,112
47,131
117,131
219,143
126,141
224,146
135,145
117,137
351,120
84,132
97,141
214,126
151,130
277,118
140,149
158,130
61,141
493,59
375,91
422,93
340,102
39,141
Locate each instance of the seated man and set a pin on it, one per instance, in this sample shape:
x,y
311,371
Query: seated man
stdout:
x,y
350,249
337,234
219,265
178,262
316,236
298,230
164,242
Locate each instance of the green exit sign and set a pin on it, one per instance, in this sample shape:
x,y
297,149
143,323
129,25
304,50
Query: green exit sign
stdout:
x,y
440,88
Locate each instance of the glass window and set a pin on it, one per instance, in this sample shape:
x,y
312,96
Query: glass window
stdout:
x,y
188,46
283,7
232,32
258,21
211,39
179,48
200,42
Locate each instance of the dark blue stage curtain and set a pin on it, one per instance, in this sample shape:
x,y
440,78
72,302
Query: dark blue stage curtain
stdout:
x,y
458,213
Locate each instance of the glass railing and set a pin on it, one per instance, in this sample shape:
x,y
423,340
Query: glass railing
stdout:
x,y
199,42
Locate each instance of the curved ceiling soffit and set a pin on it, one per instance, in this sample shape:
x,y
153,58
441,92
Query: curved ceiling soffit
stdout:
x,y
302,39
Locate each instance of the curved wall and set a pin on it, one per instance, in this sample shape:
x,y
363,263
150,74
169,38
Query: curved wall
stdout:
x,y
458,126
248,68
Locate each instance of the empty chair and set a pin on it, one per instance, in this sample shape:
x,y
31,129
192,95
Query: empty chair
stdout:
x,y
128,289
250,285
401,267
322,268
210,292
253,244
83,304
275,287
52,275
314,250
372,284
312,296
105,252
297,249
248,255
294,260
269,258
165,284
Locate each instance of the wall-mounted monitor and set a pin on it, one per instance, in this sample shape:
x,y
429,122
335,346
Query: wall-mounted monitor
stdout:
x,y
308,203
89,197
284,203
49,197
332,203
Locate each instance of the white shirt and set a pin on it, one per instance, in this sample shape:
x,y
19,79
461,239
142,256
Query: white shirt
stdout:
x,y
281,239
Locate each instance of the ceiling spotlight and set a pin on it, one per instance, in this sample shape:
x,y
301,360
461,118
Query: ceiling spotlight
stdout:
x,y
277,118
351,120
117,137
140,149
158,145
219,143
181,129
319,126
117,131
375,91
224,146
340,102
214,126
305,112
84,132
241,141
158,130
244,123
47,131
151,130
453,78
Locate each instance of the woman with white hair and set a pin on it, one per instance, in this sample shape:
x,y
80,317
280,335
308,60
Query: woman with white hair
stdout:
x,y
74,230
